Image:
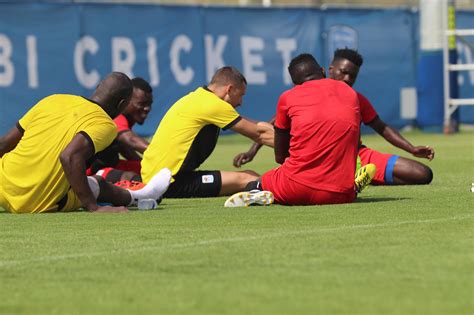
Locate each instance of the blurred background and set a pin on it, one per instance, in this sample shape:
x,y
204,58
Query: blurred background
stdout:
x,y
67,46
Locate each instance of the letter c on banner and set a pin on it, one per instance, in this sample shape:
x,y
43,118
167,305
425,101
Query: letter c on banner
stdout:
x,y
85,44
183,76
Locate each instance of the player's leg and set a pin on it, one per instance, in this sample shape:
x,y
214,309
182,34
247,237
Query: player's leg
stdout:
x,y
113,175
411,172
191,184
289,192
107,192
233,182
380,160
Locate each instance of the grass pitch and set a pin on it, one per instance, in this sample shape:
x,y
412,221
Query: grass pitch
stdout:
x,y
397,250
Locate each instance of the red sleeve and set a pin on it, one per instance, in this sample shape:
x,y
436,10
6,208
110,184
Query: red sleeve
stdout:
x,y
367,111
122,123
282,120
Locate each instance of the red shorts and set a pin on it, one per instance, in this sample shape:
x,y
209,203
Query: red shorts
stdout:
x,y
289,192
384,163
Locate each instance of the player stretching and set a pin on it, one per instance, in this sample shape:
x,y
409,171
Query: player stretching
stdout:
x,y
317,129
391,169
43,159
128,144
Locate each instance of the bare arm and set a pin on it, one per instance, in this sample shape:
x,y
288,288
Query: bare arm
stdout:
x,y
73,160
260,132
133,141
282,145
9,141
396,139
128,153
245,157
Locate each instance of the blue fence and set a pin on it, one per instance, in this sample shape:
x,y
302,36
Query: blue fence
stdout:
x,y
67,48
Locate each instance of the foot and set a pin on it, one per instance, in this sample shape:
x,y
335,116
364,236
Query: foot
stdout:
x,y
155,188
364,176
247,198
130,184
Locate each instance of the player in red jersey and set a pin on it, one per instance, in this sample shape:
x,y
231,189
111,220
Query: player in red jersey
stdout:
x,y
127,143
391,169
317,128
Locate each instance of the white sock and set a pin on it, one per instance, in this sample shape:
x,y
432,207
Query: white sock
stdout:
x,y
154,189
94,186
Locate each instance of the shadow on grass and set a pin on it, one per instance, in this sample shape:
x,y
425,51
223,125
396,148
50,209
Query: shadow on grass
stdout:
x,y
132,209
379,199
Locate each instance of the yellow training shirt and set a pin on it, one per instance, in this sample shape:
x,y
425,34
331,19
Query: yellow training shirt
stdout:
x,y
31,175
188,132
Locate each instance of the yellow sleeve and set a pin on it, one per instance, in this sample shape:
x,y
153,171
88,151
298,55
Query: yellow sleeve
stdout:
x,y
101,132
221,114
25,121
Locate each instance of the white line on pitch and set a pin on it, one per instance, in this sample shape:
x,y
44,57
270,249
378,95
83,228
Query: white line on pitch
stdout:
x,y
222,240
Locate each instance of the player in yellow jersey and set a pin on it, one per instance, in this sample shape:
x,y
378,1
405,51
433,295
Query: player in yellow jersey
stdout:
x,y
43,159
188,133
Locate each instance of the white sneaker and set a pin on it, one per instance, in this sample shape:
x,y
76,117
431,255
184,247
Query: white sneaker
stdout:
x,y
247,198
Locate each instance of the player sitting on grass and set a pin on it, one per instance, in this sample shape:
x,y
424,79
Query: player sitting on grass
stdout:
x,y
43,159
127,143
391,169
188,133
317,129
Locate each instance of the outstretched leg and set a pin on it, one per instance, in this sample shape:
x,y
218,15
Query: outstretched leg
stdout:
x,y
123,197
233,182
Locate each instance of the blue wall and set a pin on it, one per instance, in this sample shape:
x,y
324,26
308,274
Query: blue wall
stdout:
x,y
67,48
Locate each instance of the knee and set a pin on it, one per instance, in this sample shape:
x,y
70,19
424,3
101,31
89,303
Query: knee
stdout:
x,y
251,173
427,175
424,175
248,176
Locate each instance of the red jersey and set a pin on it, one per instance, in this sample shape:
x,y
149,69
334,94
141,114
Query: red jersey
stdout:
x,y
367,111
123,124
323,117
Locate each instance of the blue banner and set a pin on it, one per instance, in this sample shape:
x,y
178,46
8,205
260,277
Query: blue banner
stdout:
x,y
68,48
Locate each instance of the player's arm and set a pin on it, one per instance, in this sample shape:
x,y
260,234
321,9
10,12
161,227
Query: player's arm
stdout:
x,y
260,132
282,144
396,139
133,141
73,160
245,157
9,141
128,153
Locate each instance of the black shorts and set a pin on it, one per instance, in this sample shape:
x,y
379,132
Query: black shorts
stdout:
x,y
195,184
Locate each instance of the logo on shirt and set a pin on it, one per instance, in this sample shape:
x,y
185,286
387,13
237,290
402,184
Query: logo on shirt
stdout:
x,y
207,179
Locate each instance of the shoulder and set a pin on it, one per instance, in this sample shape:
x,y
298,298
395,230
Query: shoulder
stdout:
x,y
362,98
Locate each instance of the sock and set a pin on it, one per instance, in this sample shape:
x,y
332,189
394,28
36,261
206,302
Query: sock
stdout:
x,y
94,186
154,189
255,185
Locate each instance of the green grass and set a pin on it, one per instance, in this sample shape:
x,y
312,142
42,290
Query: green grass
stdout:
x,y
397,250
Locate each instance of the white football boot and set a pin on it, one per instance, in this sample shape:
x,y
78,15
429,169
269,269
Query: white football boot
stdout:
x,y
247,198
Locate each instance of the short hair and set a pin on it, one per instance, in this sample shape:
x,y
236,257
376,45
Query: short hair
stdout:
x,y
227,75
141,84
349,54
304,67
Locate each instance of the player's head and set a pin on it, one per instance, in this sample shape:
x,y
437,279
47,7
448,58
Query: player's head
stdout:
x,y
345,65
304,67
140,104
113,93
229,84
